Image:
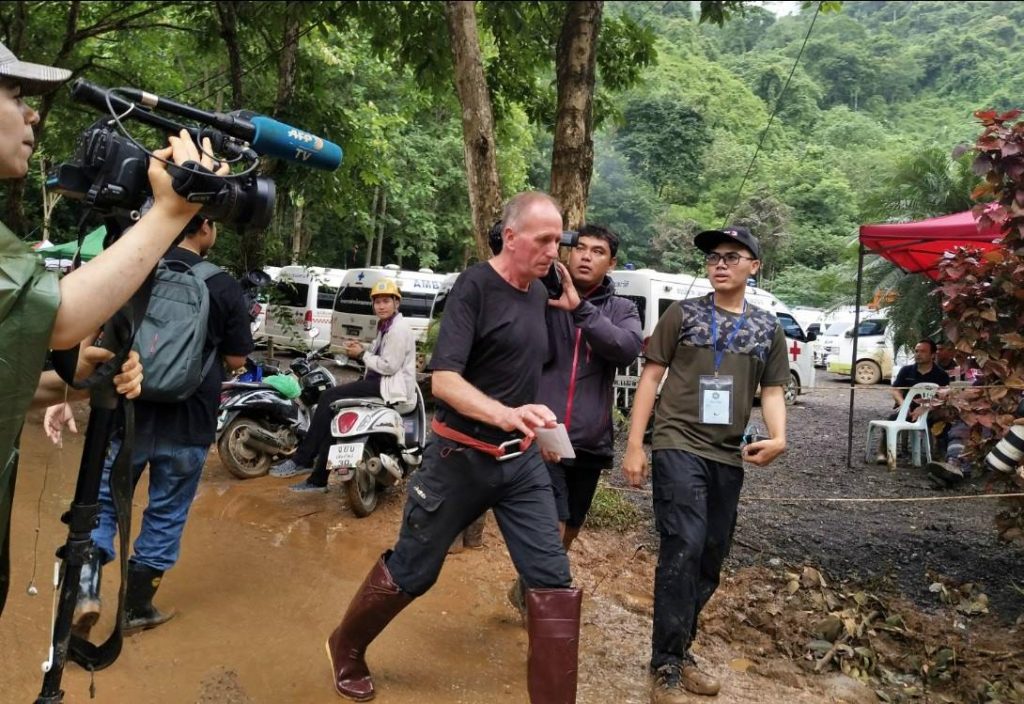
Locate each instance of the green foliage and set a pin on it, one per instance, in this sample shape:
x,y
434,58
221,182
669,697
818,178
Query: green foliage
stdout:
x,y
612,510
983,315
664,141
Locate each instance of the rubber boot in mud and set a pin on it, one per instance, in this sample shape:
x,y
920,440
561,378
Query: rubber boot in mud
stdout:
x,y
87,608
139,612
553,625
373,607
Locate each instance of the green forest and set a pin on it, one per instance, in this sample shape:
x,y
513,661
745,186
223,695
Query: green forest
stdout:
x,y
864,130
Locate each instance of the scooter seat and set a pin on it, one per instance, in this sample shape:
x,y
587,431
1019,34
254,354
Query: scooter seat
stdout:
x,y
246,385
403,408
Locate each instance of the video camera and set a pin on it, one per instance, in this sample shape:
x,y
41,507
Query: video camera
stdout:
x,y
109,168
551,280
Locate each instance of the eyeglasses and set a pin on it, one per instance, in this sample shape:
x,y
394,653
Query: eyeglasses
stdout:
x,y
730,258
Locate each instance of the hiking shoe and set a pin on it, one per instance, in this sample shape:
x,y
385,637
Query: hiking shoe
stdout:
x,y
288,468
696,680
668,686
304,487
945,471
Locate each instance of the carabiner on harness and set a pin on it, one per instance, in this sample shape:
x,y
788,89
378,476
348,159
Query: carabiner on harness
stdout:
x,y
518,443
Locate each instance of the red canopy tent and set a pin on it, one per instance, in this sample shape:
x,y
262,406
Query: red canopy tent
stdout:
x,y
917,247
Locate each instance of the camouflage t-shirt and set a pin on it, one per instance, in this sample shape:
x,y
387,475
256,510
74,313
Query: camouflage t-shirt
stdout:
x,y
682,342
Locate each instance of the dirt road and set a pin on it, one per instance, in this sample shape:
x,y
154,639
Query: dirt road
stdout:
x,y
265,574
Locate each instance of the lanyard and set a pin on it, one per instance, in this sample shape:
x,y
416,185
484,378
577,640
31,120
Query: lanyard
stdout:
x,y
720,351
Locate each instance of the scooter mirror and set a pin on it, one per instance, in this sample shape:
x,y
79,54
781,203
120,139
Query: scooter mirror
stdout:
x,y
314,332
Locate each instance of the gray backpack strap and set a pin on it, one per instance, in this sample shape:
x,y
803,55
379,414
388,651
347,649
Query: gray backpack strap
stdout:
x,y
205,271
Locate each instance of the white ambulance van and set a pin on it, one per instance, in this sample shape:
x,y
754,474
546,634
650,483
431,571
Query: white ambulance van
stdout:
x,y
653,292
877,356
353,311
300,302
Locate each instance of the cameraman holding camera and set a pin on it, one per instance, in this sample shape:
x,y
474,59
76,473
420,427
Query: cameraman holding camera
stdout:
x,y
38,311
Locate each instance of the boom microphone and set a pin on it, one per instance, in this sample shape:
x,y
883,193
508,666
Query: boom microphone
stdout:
x,y
265,134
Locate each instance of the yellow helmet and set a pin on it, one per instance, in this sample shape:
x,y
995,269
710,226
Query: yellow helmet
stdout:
x,y
385,287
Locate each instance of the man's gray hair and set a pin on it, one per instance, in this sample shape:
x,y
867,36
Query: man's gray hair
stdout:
x,y
518,204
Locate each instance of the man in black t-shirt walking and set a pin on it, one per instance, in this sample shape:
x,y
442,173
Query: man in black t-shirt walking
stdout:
x,y
173,440
486,372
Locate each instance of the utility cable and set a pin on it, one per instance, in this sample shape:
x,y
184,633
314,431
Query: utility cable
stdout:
x,y
771,118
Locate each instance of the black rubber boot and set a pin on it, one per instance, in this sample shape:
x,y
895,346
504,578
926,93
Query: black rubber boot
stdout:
x,y
87,608
139,612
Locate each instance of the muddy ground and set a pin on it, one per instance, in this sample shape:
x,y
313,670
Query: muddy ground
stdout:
x,y
820,602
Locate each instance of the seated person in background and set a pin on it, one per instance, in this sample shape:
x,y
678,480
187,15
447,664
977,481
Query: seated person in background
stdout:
x,y
924,370
390,374
945,359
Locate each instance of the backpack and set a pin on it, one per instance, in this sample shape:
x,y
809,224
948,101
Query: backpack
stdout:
x,y
172,337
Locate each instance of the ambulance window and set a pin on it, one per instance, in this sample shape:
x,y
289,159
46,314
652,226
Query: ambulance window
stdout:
x,y
416,305
641,306
354,300
663,305
289,293
325,296
790,326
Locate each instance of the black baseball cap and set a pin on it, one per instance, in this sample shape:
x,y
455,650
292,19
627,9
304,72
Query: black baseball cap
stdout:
x,y
34,79
709,239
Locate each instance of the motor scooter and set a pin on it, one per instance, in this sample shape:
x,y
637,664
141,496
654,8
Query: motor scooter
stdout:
x,y
375,445
258,421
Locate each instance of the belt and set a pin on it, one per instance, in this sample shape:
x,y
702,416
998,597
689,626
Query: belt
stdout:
x,y
500,452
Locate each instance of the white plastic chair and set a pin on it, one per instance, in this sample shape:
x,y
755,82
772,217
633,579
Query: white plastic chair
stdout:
x,y
918,429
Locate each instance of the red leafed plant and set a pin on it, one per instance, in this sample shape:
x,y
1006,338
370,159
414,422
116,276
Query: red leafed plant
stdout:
x,y
983,293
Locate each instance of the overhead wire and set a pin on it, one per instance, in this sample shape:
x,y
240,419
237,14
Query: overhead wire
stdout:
x,y
771,117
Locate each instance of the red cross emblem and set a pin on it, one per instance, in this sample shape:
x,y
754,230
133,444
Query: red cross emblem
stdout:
x,y
795,350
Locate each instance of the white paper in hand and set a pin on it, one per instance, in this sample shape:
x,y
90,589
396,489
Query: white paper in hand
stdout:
x,y
555,440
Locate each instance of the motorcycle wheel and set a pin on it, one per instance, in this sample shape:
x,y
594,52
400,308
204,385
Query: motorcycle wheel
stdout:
x,y
241,461
362,489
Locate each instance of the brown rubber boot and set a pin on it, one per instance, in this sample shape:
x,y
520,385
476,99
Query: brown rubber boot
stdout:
x,y
377,602
553,624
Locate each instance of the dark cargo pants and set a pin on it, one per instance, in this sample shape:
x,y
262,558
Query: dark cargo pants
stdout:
x,y
695,503
452,489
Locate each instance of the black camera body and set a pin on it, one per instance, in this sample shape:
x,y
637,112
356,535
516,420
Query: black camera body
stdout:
x,y
552,280
109,172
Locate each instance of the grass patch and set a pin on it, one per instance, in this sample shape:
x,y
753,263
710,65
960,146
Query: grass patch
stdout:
x,y
613,510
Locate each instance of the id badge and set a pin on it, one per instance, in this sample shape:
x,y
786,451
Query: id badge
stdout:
x,y
715,398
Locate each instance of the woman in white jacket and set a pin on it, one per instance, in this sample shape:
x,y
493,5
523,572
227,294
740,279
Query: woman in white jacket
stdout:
x,y
390,374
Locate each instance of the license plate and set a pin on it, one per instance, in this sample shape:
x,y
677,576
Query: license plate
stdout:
x,y
626,382
344,455
352,330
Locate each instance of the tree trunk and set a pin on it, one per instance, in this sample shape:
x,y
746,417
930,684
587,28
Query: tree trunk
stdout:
x,y
380,225
298,241
572,157
228,14
373,226
478,138
287,61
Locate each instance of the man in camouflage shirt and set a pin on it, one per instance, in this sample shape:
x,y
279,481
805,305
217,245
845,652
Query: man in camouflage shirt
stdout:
x,y
714,351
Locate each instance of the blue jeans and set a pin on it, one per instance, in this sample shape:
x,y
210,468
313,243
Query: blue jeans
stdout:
x,y
174,472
